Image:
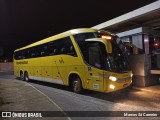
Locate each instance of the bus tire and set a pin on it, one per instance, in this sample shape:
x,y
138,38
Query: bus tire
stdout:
x,y
21,76
26,78
77,85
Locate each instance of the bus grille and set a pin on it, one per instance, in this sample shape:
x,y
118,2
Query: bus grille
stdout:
x,y
123,80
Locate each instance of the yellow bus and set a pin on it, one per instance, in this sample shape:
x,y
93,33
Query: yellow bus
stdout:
x,y
79,58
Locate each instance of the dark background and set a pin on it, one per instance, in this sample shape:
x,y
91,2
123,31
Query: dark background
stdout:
x,y
26,21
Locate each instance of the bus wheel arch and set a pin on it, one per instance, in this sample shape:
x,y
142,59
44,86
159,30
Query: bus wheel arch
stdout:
x,y
75,83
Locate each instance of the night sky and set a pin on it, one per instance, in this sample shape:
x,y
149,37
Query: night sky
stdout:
x,y
26,21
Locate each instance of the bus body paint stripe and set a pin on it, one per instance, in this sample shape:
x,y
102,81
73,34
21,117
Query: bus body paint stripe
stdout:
x,y
51,80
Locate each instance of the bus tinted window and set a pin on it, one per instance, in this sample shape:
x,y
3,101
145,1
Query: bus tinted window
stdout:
x,y
94,56
80,39
52,48
116,61
57,47
43,50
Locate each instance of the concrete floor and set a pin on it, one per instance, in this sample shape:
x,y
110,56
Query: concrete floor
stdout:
x,y
124,100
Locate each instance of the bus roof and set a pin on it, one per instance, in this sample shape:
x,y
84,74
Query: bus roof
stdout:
x,y
58,36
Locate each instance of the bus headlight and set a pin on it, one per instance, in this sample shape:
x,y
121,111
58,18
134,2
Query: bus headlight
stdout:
x,y
111,86
112,78
131,74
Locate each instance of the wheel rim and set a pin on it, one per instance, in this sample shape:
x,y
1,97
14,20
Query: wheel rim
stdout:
x,y
26,77
76,86
21,76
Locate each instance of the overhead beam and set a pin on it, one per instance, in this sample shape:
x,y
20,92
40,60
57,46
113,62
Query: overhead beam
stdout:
x,y
133,14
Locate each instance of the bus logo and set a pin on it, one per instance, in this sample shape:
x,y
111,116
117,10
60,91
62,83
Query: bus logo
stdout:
x,y
6,114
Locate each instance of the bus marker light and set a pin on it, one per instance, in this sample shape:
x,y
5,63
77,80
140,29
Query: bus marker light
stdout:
x,y
156,44
106,37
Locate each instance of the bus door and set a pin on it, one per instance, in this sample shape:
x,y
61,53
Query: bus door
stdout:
x,y
95,72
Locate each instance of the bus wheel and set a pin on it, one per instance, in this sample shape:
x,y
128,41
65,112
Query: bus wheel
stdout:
x,y
26,78
21,76
77,85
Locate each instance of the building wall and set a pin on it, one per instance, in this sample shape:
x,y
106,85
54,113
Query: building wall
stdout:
x,y
6,67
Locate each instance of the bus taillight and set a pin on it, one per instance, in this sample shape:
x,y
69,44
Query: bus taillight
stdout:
x,y
156,44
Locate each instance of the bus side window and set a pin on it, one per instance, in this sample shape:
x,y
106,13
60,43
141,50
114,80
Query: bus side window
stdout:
x,y
18,55
37,51
25,54
70,48
43,50
51,48
63,51
71,51
94,56
55,51
33,54
66,46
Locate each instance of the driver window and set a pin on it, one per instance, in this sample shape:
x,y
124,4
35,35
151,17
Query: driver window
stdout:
x,y
94,56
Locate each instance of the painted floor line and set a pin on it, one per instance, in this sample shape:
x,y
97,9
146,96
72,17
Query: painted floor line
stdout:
x,y
51,101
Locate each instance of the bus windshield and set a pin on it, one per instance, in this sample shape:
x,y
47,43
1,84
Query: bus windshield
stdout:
x,y
116,61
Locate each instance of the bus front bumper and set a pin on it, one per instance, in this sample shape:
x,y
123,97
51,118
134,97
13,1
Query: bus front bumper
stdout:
x,y
114,86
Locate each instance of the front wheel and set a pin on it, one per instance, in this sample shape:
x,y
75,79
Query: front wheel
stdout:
x,y
77,85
